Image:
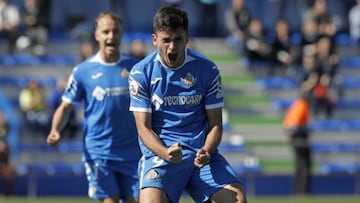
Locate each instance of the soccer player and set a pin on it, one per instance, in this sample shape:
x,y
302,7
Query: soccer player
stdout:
x,y
177,100
111,149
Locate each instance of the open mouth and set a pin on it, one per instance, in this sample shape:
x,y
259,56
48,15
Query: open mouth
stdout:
x,y
112,45
172,57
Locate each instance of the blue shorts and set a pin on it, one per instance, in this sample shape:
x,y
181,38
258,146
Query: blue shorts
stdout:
x,y
200,184
108,178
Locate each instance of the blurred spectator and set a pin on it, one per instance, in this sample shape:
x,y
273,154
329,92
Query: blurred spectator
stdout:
x,y
34,109
282,50
7,172
35,17
324,101
138,49
295,125
303,6
309,38
237,19
327,58
318,12
87,49
256,46
309,69
354,21
328,61
71,128
9,23
328,30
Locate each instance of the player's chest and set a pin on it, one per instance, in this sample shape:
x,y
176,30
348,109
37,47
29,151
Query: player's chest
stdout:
x,y
107,78
177,83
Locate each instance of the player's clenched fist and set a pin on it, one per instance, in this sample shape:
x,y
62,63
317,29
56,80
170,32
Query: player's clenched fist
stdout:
x,y
175,153
202,158
53,138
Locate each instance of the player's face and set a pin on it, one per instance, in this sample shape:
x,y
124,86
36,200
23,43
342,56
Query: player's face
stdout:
x,y
171,45
108,35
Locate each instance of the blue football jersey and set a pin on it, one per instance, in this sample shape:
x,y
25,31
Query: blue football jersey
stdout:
x,y
177,98
109,127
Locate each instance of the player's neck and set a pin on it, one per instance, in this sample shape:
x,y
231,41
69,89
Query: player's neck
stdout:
x,y
111,58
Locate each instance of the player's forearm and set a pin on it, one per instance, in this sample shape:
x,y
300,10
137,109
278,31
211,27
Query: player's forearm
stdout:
x,y
214,135
213,139
153,143
60,117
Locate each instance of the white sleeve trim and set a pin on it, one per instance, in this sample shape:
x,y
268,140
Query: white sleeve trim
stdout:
x,y
214,106
140,109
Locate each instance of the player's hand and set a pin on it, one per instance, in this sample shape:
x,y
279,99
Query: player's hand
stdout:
x,y
202,158
53,138
175,153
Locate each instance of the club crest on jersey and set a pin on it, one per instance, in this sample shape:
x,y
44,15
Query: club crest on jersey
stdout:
x,y
189,80
152,175
124,73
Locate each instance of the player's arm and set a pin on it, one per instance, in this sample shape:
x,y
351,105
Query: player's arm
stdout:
x,y
153,142
60,117
213,138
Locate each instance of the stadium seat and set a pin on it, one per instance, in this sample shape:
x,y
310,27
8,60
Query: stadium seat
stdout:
x,y
243,168
19,60
350,62
276,82
283,104
228,147
337,147
51,169
63,147
335,125
31,60
338,167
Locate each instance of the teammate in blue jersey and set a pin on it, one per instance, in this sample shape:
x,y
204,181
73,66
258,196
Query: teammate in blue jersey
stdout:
x,y
110,141
177,100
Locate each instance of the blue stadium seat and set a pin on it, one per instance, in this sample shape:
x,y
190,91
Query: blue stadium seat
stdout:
x,y
351,82
31,60
350,62
345,39
58,60
243,169
51,169
63,147
228,147
74,146
9,80
282,104
335,125
289,83
19,60
276,83
338,167
22,81
338,147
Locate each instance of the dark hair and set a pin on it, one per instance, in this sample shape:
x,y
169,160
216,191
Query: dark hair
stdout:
x,y
108,14
170,18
